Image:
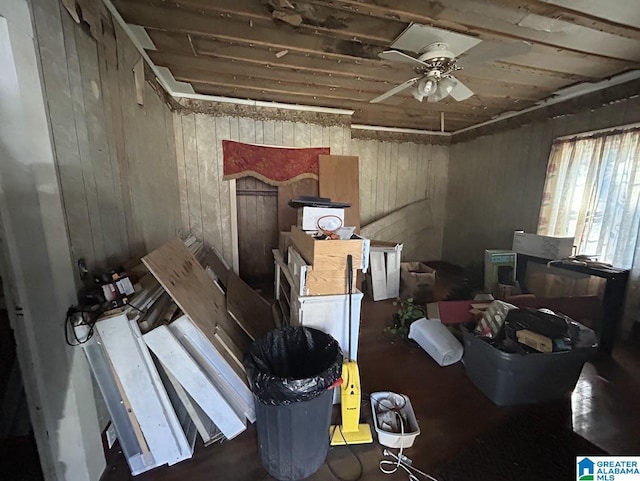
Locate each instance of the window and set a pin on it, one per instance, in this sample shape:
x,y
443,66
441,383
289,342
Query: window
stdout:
x,y
592,192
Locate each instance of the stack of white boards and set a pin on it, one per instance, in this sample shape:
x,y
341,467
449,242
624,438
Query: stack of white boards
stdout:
x,y
158,407
181,378
151,428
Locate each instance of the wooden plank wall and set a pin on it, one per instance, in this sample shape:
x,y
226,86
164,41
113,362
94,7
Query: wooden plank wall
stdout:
x,y
394,175
204,196
116,159
495,182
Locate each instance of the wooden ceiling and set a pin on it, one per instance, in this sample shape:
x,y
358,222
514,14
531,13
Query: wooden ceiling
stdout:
x,y
325,53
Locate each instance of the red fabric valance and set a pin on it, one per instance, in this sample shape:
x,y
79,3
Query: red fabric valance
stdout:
x,y
273,165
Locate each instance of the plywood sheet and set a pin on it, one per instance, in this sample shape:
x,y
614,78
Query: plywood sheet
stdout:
x,y
339,180
188,284
214,261
251,311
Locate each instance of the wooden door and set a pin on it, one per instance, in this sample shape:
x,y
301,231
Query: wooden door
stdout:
x,y
257,229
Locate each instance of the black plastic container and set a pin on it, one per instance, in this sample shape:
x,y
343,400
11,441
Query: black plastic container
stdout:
x,y
290,373
294,438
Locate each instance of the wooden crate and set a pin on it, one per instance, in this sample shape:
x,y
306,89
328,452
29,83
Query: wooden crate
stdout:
x,y
311,282
330,255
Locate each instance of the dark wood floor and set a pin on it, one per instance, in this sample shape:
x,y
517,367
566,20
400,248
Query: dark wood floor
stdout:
x,y
451,412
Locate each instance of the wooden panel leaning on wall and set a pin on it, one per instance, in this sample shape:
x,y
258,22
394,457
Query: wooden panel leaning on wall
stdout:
x,y
339,180
186,281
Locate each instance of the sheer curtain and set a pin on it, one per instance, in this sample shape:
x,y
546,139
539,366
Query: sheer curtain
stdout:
x,y
592,192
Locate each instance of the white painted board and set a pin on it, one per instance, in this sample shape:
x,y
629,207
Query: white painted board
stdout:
x,y
140,380
183,367
207,429
224,376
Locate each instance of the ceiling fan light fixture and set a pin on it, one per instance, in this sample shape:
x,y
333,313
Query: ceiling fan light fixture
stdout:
x,y
425,87
445,86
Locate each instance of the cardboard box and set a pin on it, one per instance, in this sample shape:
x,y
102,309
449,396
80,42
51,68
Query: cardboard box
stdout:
x,y
312,282
499,268
308,216
536,341
331,255
383,278
542,246
417,281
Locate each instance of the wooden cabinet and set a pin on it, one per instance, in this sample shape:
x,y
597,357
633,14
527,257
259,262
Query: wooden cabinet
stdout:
x,y
329,313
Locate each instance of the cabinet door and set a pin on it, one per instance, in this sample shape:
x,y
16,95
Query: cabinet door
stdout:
x,y
330,314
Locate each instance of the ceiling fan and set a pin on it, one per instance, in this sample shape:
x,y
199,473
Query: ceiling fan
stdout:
x,y
435,81
437,59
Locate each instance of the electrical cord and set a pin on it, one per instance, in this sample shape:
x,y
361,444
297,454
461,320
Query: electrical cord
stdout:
x,y
353,453
400,461
88,317
85,320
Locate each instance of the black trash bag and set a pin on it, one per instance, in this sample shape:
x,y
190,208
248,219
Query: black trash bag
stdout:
x,y
292,364
544,323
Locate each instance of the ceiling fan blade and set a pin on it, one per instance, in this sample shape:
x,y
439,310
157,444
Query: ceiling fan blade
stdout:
x,y
395,90
460,91
416,37
396,56
491,50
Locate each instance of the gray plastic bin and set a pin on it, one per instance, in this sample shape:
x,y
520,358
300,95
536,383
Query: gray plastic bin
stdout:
x,y
509,379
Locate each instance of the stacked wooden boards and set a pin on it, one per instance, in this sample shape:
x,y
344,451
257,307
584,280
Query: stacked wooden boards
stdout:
x,y
195,381
187,282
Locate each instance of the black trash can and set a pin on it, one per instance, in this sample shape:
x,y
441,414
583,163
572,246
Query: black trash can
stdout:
x,y
290,372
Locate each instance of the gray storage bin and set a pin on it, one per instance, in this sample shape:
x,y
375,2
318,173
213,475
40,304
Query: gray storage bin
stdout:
x,y
509,379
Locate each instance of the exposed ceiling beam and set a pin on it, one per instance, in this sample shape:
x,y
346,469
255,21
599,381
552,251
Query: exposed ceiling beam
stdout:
x,y
494,22
316,19
574,15
183,44
623,87
249,27
264,32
